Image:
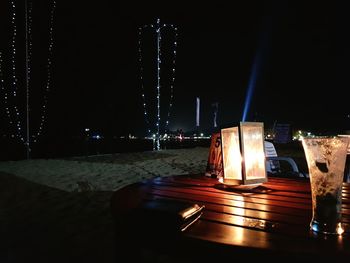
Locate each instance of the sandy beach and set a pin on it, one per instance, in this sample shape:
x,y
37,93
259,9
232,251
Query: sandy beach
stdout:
x,y
58,210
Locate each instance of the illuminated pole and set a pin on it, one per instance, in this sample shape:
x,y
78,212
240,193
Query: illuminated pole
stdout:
x,y
27,81
158,84
216,108
197,111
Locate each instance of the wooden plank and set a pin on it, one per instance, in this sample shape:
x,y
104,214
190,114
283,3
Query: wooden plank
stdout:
x,y
248,197
234,194
252,213
217,233
302,185
272,226
218,188
287,209
258,214
235,200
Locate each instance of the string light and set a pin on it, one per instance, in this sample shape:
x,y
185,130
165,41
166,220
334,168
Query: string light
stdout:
x,y
10,94
48,68
158,27
141,78
30,38
158,83
4,91
15,111
172,79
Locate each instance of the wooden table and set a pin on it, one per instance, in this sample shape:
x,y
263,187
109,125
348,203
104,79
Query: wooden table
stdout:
x,y
270,221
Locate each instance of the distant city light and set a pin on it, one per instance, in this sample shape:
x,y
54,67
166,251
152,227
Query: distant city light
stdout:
x,y
301,134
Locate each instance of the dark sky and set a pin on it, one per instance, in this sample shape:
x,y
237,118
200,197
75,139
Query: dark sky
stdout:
x,y
301,50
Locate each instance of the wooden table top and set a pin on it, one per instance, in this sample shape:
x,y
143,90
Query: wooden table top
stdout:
x,y
271,219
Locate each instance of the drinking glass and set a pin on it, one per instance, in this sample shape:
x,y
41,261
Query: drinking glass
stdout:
x,y
326,157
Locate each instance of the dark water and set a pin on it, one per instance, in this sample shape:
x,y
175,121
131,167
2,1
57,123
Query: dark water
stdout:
x,y
68,147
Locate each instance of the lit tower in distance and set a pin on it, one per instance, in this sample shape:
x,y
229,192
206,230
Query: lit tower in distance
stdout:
x,y
198,105
215,106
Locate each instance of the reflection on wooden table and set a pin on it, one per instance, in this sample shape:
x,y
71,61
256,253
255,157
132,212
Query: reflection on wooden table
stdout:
x,y
269,220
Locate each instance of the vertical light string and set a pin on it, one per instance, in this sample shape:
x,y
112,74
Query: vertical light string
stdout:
x,y
3,90
48,70
158,83
5,94
30,39
27,143
15,111
172,83
158,27
6,98
141,80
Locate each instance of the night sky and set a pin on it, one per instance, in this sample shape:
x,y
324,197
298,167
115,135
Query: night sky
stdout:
x,y
300,52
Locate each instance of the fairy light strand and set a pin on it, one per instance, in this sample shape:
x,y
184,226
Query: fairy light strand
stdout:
x,y
10,94
141,80
172,78
3,90
30,38
27,143
158,82
15,111
48,68
158,27
5,94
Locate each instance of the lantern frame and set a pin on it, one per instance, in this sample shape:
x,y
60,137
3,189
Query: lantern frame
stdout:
x,y
243,154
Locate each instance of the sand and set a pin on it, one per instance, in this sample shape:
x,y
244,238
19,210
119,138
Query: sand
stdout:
x,y
58,210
